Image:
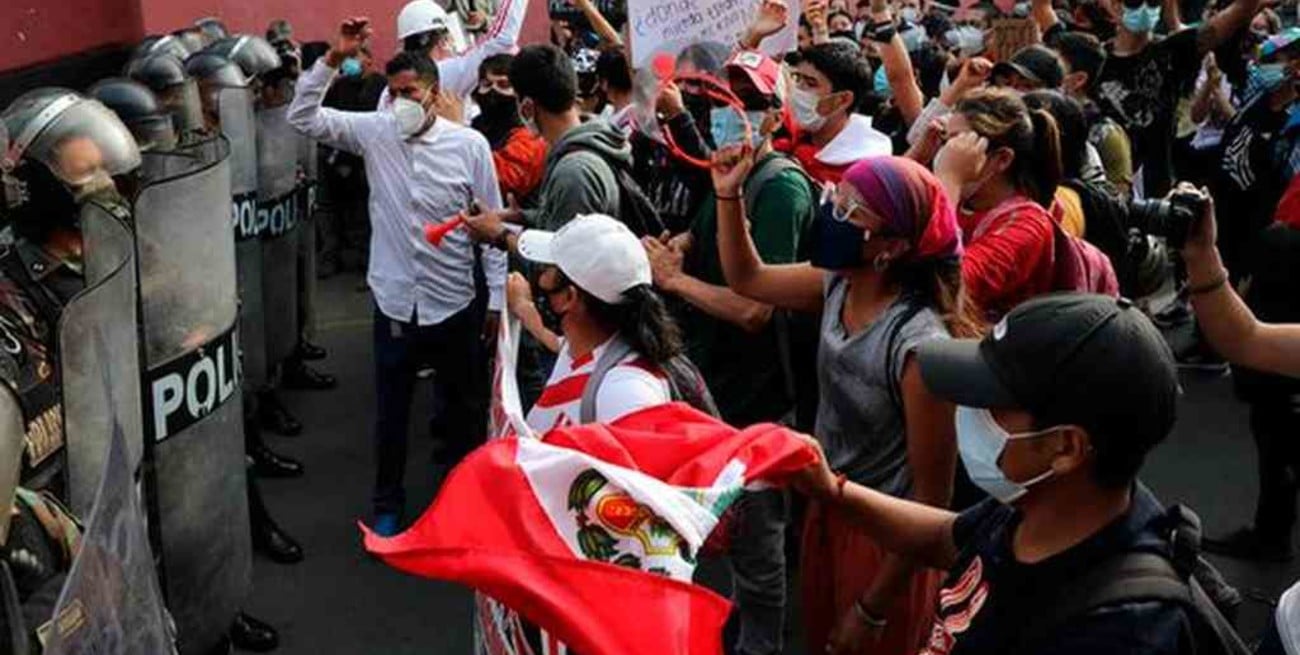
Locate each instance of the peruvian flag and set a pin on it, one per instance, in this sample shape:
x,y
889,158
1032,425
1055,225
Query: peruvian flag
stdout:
x,y
592,532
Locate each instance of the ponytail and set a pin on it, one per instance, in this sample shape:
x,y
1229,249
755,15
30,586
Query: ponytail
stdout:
x,y
1043,173
643,321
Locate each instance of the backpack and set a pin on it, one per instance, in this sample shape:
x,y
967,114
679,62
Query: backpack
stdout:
x,y
1176,574
634,207
800,378
685,383
1077,264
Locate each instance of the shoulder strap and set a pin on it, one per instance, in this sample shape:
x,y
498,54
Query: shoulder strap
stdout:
x,y
617,350
765,173
1007,207
895,329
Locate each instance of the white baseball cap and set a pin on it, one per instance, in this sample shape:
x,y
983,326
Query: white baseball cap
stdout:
x,y
596,252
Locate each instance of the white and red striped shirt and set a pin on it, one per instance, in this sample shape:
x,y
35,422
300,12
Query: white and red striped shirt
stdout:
x,y
633,384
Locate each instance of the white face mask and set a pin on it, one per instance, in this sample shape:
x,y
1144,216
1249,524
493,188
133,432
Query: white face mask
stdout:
x,y
910,14
804,103
410,115
981,442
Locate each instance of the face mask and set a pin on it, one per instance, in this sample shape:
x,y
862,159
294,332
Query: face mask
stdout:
x,y
980,441
410,116
910,14
351,67
100,182
837,245
1266,77
727,128
804,103
881,84
1141,19
497,107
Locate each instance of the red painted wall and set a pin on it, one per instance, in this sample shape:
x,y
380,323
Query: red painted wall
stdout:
x,y
40,31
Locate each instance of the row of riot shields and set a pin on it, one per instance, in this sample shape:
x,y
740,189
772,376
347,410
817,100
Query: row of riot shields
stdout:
x,y
178,315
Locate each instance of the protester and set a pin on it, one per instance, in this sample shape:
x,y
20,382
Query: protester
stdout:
x,y
1056,410
518,154
422,29
424,297
725,329
614,78
1108,144
1002,164
885,275
828,79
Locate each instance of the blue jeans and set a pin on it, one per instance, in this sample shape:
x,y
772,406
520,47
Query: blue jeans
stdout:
x,y
757,558
455,349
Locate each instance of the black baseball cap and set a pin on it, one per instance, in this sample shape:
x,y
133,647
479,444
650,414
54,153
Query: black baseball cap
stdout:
x,y
1068,359
1037,63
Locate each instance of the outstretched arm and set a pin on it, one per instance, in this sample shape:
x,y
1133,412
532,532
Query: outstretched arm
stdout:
x,y
459,75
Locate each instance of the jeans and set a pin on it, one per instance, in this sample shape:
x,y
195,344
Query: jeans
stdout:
x,y
454,348
757,558
1275,424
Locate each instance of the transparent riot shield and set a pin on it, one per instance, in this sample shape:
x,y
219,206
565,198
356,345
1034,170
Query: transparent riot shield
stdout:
x,y
105,311
309,161
12,442
110,603
239,125
194,415
277,195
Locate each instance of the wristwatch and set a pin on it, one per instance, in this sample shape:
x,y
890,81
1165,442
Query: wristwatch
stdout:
x,y
882,32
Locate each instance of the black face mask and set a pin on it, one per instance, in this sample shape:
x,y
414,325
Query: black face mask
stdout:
x,y
698,106
498,107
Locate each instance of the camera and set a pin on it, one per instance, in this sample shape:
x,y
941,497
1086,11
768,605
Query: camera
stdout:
x,y
1171,218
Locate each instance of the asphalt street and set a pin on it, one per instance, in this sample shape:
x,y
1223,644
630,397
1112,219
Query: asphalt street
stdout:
x,y
341,601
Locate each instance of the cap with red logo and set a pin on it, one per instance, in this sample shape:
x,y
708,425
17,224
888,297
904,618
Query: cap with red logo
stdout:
x,y
761,69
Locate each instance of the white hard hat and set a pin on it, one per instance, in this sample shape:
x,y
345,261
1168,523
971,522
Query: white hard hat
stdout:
x,y
420,16
597,253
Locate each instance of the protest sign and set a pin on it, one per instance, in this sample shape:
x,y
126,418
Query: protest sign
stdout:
x,y
668,26
1010,35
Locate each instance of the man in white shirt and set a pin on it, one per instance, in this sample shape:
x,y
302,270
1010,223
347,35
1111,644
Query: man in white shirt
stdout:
x,y
430,310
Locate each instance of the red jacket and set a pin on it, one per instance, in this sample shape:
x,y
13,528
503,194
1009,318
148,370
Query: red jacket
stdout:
x,y
520,163
1009,255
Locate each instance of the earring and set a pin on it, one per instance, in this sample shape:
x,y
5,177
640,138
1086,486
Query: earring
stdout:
x,y
881,263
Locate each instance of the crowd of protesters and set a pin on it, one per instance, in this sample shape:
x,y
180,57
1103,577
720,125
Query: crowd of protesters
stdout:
x,y
960,275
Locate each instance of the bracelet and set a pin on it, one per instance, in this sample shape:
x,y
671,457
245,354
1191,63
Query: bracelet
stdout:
x,y
883,32
867,618
1211,286
729,198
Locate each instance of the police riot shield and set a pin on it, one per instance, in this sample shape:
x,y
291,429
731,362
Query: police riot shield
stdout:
x,y
309,161
98,333
13,440
194,414
277,195
239,125
110,602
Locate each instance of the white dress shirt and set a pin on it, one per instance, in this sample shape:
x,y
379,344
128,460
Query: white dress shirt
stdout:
x,y
459,75
428,179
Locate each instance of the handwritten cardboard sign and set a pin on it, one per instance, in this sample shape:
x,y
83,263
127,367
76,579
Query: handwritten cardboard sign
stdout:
x,y
668,26
1010,35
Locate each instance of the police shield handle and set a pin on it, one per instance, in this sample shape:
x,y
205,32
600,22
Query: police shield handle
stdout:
x,y
354,33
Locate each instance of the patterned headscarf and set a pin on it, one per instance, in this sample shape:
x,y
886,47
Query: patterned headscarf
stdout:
x,y
912,203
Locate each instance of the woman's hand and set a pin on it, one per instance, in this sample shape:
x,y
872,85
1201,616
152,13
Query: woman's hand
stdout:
x,y
1203,234
816,481
961,159
930,142
731,166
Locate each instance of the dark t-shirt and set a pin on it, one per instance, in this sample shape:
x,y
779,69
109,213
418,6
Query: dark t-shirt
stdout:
x,y
989,601
744,370
1141,93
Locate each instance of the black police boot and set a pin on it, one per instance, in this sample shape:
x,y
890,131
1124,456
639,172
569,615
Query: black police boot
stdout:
x,y
299,376
269,464
274,416
268,538
247,633
310,352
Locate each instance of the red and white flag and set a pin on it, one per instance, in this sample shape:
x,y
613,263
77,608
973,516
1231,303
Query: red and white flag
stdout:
x,y
592,532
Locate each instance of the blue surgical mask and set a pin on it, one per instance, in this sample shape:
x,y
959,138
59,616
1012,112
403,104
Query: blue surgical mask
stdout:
x,y
837,244
980,442
351,67
1142,19
728,128
881,83
1265,78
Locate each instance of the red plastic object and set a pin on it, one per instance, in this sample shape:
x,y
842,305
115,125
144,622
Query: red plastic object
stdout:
x,y
434,233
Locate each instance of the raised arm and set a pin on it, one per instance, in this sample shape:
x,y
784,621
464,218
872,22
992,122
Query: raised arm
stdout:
x,y
1226,23
338,129
608,35
1228,324
898,65
1044,15
459,75
790,286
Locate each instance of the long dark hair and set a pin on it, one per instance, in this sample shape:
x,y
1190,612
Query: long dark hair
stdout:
x,y
937,283
1072,125
1000,116
643,320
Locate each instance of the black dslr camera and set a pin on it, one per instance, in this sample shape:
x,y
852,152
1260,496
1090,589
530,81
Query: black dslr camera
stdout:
x,y
1171,218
